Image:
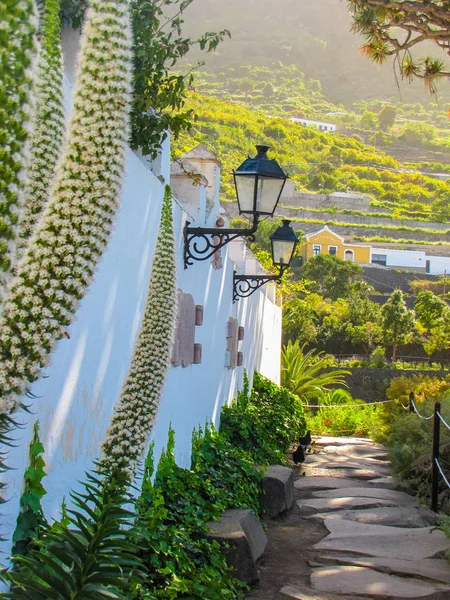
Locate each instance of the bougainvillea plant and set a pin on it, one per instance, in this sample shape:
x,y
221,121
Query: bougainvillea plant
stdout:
x,y
75,226
133,415
18,28
49,126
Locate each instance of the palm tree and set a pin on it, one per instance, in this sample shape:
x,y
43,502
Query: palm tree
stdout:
x,y
304,373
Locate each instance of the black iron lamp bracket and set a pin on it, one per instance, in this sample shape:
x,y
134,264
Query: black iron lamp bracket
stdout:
x,y
201,243
245,285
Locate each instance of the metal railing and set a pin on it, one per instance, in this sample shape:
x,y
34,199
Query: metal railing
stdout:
x,y
436,467
411,362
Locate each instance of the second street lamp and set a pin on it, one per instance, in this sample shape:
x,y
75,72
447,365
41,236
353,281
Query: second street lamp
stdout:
x,y
284,242
259,182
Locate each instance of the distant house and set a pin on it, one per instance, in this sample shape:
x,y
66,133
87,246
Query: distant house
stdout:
x,y
405,260
326,127
326,241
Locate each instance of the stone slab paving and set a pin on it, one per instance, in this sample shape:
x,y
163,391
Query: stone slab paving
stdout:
x,y
320,458
429,568
388,482
399,498
335,483
318,505
335,471
299,592
343,529
380,471
381,544
348,579
395,516
328,483
409,544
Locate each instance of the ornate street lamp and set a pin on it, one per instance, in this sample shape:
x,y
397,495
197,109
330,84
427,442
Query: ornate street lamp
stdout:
x,y
284,242
259,182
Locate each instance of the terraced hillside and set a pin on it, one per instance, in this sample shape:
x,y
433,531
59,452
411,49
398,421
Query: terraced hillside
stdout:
x,y
402,202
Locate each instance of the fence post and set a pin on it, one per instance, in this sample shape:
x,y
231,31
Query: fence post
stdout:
x,y
411,402
435,470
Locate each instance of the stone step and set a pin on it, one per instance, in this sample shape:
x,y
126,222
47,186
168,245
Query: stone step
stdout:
x,y
383,541
301,592
334,483
327,483
394,516
398,498
364,581
337,471
366,461
387,482
340,528
312,506
354,465
434,569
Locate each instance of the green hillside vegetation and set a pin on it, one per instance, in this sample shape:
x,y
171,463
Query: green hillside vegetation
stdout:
x,y
317,162
276,89
284,91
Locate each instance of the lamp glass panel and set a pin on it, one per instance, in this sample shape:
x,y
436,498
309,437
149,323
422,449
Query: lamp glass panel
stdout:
x,y
245,189
282,251
269,189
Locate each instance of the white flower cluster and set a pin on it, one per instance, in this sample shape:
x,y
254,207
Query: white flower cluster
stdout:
x,y
49,125
60,259
134,413
18,28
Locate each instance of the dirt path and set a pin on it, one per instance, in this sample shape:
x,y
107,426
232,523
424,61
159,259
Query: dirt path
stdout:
x,y
352,533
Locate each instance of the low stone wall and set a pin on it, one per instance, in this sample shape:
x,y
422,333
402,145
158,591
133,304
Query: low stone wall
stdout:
x,y
348,231
380,222
326,200
371,384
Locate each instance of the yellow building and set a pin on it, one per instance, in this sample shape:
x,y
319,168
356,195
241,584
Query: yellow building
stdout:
x,y
326,241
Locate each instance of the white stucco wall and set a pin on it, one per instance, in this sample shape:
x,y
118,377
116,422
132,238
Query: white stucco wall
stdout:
x,y
401,258
438,264
75,398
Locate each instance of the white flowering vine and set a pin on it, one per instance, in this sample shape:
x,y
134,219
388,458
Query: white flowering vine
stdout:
x,y
62,254
18,28
133,416
48,124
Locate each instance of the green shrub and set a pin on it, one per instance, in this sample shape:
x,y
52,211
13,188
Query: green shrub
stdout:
x,y
410,443
172,513
354,418
265,422
229,469
378,358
